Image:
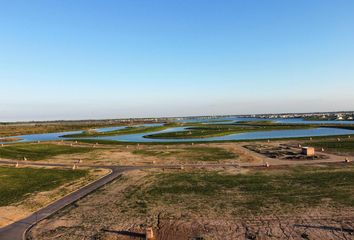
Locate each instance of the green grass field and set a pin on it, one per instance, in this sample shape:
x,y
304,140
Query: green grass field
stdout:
x,y
344,146
17,183
254,192
38,151
190,153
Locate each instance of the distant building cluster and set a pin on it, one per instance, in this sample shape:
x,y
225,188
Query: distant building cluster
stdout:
x,y
323,116
315,116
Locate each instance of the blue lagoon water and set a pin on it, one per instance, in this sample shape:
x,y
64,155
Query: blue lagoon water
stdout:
x,y
239,136
140,137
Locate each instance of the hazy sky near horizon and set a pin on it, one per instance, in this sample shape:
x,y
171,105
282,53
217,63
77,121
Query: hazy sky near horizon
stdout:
x,y
133,58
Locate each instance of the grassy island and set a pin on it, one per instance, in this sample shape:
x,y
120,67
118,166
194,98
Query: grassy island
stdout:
x,y
127,130
216,130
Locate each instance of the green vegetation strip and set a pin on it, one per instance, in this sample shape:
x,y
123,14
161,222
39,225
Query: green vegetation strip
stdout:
x,y
23,129
114,142
38,151
14,129
127,130
17,183
191,153
344,145
9,139
216,130
255,192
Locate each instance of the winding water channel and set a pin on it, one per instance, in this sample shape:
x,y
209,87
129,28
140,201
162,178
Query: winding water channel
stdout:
x,y
139,137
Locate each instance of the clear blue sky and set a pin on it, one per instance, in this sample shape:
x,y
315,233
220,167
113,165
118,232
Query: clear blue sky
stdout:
x,y
64,59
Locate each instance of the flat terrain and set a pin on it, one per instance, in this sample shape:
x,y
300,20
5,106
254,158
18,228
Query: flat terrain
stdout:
x,y
283,152
341,145
14,129
34,151
215,130
190,154
106,154
16,183
275,152
25,190
9,139
298,202
254,192
127,130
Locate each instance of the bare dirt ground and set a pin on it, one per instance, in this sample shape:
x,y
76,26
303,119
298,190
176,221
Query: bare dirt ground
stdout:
x,y
324,157
108,215
185,154
179,154
126,154
35,201
283,151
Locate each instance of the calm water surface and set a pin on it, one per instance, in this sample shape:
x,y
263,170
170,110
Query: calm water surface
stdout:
x,y
239,136
139,137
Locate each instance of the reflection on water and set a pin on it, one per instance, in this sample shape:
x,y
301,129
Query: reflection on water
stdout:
x,y
44,136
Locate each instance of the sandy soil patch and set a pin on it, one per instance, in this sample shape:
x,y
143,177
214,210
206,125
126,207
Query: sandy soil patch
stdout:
x,y
108,215
169,154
